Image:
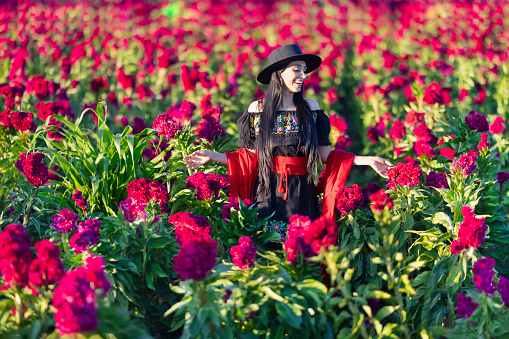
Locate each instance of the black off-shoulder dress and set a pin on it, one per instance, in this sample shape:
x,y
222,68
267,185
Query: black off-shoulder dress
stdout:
x,y
302,197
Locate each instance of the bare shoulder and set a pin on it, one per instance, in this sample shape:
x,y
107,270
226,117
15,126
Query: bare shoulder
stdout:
x,y
254,107
313,105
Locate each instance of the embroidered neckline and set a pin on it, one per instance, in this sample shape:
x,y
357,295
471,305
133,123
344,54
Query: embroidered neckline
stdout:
x,y
290,111
286,122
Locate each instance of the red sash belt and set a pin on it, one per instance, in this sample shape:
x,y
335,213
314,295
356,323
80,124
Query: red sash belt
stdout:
x,y
289,165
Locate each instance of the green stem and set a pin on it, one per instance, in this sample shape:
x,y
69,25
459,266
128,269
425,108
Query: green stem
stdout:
x,y
19,308
28,209
67,248
500,193
144,227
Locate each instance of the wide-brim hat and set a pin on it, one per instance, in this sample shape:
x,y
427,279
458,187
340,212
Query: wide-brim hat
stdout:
x,y
284,55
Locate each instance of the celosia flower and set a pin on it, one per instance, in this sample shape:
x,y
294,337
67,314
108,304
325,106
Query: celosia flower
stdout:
x,y
437,180
502,177
374,133
295,245
433,94
189,227
34,169
323,232
484,142
404,173
65,222
95,274
413,118
483,275
497,127
74,301
126,81
349,199
466,306
371,188
422,132
47,269
97,84
15,255
207,185
244,254
379,200
465,164
210,129
55,131
22,121
133,209
183,112
47,249
397,131
503,288
477,122
166,126
196,259
145,191
471,232
338,123
233,203
89,224
5,119
422,147
80,201
448,153
342,143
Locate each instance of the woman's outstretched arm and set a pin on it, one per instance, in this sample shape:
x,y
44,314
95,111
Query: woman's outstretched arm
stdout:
x,y
201,157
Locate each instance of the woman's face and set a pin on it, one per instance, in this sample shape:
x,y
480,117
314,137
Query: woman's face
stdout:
x,y
294,75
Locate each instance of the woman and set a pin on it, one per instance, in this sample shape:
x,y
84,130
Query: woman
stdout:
x,y
283,136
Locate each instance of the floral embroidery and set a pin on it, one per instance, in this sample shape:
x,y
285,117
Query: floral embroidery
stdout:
x,y
286,122
276,226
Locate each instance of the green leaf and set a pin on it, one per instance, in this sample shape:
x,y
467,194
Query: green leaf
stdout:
x,y
177,306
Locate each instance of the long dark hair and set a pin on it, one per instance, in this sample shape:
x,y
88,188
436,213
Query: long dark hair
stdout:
x,y
308,143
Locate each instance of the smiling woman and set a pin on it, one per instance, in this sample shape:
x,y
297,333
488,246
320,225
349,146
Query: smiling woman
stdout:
x,y
282,138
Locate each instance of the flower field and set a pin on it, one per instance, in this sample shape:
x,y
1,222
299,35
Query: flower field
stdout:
x,y
105,233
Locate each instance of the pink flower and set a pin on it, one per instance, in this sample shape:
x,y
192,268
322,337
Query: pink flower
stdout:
x,y
379,200
207,185
189,227
295,245
57,129
244,254
448,153
397,131
47,269
471,232
413,118
422,132
433,94
133,209
342,143
65,222
465,164
349,199
483,275
466,306
484,142
405,174
338,123
166,126
34,169
196,259
96,277
126,81
503,288
497,126
15,255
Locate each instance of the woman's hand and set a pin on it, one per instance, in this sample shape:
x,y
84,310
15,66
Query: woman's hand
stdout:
x,y
380,165
201,157
198,158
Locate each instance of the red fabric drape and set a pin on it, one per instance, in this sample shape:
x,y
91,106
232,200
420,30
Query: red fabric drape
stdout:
x,y
242,173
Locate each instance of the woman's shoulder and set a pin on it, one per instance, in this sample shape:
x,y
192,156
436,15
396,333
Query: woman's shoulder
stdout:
x,y
313,105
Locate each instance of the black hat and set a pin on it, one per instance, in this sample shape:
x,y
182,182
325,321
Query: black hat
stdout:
x,y
284,55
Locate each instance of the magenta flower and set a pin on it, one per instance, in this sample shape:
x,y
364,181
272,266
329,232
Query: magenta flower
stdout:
x,y
397,131
422,147
413,118
95,274
133,209
465,164
295,245
22,121
484,142
83,239
349,199
146,191
503,288
405,173
323,232
65,222
471,232
207,185
47,269
244,254
80,201
483,275
497,127
34,169
433,94
189,227
477,122
379,200
15,255
166,126
502,177
196,259
422,132
466,306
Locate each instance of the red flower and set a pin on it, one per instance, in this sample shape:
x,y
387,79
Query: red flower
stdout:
x,y
144,92
244,254
349,199
413,118
145,191
133,209
484,142
323,232
463,94
404,173
422,147
56,125
465,164
397,131
98,84
433,94
379,200
80,201
189,227
471,232
422,132
166,126
126,81
207,185
47,269
34,169
196,259
15,255
295,245
497,126
65,222
22,121
338,123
